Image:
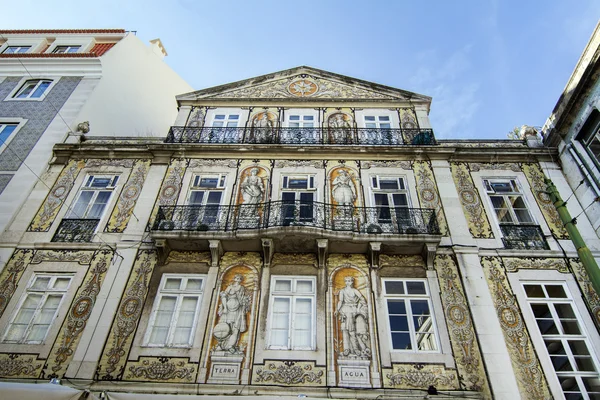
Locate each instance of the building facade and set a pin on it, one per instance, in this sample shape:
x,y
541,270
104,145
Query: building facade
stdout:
x,y
300,234
57,85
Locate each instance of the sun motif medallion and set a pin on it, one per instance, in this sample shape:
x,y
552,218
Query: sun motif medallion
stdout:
x,y
303,88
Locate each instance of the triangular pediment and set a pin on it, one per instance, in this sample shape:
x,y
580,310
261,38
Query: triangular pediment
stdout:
x,y
304,83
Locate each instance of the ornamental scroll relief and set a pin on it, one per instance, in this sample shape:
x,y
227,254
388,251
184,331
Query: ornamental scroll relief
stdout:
x,y
469,361
420,376
120,338
161,369
12,272
530,377
59,192
428,193
479,225
289,373
170,188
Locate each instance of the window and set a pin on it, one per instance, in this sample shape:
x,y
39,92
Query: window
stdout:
x,y
378,121
589,136
292,316
225,132
206,194
94,196
301,121
297,197
410,317
33,89
16,49
507,201
226,120
565,338
38,308
5,131
390,197
65,49
175,311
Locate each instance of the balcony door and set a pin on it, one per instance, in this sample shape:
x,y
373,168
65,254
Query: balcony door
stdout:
x,y
224,128
391,203
297,200
205,201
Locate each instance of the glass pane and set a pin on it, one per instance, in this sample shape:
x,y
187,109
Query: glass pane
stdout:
x,y
585,364
579,348
280,321
384,118
62,283
564,310
41,282
523,216
415,287
388,183
556,291
570,327
394,287
99,205
283,285
369,118
591,384
281,305
309,118
561,363
419,307
385,126
426,342
48,310
27,88
26,311
234,116
401,341
159,335
40,90
100,181
181,336
534,291
568,384
501,187
396,307
302,322
196,197
547,327
294,118
78,210
401,200
302,339
554,347
279,338
304,306
541,311
172,284
220,116
304,287
423,323
297,183
194,284
209,182
398,323
214,198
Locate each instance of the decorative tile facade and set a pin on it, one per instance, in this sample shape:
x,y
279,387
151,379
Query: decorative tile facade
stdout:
x,y
428,193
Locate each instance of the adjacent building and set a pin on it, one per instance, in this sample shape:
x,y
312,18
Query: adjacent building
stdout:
x,y
57,85
300,234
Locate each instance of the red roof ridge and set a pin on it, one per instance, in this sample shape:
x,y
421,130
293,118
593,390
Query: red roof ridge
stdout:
x,y
46,31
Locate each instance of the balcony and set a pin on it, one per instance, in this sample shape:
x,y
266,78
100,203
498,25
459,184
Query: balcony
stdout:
x,y
75,230
301,136
299,215
523,237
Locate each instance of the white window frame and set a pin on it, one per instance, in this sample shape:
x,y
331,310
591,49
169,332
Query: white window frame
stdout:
x,y
377,121
285,179
179,294
21,85
293,296
85,187
226,120
195,186
19,122
586,324
518,191
411,327
67,49
18,47
45,294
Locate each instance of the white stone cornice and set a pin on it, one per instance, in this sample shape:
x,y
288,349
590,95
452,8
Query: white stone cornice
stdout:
x,y
88,67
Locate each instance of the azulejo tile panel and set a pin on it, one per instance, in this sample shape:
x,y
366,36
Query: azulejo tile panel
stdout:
x,y
77,316
428,193
420,376
20,365
289,373
12,272
171,186
120,338
590,295
479,225
463,339
161,369
536,177
513,264
530,377
128,198
55,199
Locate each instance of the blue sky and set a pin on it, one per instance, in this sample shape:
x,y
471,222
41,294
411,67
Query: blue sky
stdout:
x,y
489,65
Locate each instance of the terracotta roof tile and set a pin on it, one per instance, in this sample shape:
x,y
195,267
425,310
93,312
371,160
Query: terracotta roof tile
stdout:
x,y
58,31
101,48
50,55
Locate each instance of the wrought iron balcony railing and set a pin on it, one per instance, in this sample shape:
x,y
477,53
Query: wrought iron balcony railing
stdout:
x,y
75,230
368,220
523,237
303,136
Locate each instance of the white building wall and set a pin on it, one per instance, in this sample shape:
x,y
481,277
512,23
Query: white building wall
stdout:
x,y
136,96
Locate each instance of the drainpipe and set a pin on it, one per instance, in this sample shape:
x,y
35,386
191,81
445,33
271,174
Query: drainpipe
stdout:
x,y
585,255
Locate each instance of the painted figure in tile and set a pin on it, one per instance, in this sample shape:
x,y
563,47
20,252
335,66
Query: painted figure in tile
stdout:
x,y
235,304
265,128
253,188
352,311
341,129
344,193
